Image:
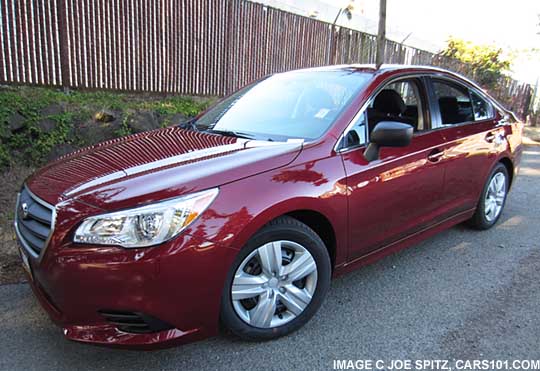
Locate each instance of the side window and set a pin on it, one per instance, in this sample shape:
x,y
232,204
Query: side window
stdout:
x,y
482,109
356,135
398,101
454,103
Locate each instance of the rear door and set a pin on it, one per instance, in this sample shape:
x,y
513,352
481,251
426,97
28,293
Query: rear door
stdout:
x,y
467,122
400,193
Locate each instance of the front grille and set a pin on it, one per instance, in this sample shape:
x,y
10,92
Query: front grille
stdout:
x,y
33,222
134,322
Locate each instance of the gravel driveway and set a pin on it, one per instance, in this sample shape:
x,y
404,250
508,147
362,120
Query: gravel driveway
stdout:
x,y
462,294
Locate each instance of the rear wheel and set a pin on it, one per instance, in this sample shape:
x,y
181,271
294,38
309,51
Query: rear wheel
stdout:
x,y
493,198
278,281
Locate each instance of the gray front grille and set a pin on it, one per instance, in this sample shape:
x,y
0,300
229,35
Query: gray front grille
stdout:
x,y
34,220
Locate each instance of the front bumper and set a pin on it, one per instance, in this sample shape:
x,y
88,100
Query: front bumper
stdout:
x,y
179,282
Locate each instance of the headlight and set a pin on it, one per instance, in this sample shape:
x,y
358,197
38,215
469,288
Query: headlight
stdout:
x,y
147,225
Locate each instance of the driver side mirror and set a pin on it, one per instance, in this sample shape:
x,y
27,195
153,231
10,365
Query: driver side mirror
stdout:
x,y
388,134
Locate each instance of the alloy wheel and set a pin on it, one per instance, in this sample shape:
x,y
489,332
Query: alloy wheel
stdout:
x,y
495,196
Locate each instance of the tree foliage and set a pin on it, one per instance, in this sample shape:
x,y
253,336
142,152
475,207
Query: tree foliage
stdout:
x,y
487,61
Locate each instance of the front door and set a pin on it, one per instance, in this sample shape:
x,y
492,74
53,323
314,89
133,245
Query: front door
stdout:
x,y
400,193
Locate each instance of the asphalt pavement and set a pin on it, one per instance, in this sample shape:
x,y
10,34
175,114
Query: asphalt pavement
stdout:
x,y
462,294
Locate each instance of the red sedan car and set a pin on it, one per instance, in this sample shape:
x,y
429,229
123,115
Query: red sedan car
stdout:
x,y
242,215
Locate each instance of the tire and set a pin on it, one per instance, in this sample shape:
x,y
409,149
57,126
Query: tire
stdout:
x,y
493,198
256,305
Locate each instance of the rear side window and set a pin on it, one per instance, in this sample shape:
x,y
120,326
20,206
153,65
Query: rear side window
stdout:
x,y
454,103
482,109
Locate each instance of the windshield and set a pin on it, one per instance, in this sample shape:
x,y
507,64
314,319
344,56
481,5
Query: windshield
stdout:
x,y
300,104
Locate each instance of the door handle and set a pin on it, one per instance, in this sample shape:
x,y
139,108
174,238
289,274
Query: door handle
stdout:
x,y
490,137
435,155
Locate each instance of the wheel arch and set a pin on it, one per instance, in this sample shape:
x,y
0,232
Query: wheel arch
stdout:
x,y
305,210
509,167
320,225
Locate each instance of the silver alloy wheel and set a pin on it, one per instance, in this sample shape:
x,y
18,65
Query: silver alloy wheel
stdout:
x,y
495,196
274,284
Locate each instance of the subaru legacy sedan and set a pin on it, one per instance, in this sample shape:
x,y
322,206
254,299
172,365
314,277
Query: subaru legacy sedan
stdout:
x,y
240,217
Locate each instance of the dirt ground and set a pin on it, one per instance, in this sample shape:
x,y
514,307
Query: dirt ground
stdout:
x,y
532,134
11,270
10,267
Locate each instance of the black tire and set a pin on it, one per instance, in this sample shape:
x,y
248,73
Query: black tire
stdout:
x,y
282,228
479,220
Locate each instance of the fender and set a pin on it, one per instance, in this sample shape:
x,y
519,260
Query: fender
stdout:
x,y
297,187
293,205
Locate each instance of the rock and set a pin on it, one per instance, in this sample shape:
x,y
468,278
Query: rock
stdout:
x,y
92,132
106,116
53,110
143,121
46,125
59,151
16,122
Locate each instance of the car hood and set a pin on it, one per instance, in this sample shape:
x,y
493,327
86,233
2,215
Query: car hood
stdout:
x,y
156,165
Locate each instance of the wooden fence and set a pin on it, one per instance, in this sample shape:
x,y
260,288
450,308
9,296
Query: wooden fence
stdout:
x,y
195,47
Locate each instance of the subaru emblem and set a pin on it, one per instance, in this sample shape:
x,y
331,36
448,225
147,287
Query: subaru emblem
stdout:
x,y
24,210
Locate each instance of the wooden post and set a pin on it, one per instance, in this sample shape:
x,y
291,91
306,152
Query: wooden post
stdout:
x,y
381,34
63,44
532,112
331,41
533,106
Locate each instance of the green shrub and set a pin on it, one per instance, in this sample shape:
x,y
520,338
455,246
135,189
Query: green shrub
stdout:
x,y
30,144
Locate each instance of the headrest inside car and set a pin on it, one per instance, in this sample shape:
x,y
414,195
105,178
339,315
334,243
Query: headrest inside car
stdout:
x,y
389,101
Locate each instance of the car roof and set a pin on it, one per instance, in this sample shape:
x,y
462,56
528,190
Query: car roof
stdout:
x,y
389,69
371,68
395,69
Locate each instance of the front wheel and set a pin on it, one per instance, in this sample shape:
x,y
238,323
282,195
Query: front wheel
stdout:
x,y
492,200
278,281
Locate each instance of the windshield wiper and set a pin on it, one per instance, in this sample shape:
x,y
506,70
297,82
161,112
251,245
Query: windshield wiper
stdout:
x,y
189,125
230,133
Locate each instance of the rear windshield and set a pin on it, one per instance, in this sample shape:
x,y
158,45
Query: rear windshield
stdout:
x,y
300,104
